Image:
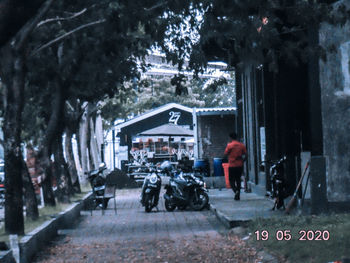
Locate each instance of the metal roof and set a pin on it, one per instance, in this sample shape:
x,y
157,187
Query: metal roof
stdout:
x,y
215,111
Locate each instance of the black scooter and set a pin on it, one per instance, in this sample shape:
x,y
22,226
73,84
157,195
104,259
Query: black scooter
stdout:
x,y
151,190
183,190
98,186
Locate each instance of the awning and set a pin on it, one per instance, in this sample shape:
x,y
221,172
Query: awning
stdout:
x,y
167,130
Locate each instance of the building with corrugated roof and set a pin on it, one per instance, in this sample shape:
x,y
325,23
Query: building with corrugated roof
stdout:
x,y
212,127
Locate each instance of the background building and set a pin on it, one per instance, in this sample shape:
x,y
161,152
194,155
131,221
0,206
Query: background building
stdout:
x,y
127,132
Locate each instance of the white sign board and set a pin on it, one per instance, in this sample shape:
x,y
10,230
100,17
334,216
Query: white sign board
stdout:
x,y
122,153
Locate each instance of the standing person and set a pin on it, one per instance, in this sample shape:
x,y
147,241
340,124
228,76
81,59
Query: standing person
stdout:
x,y
236,152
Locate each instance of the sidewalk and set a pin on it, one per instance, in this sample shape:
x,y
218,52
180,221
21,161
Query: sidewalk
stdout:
x,y
234,213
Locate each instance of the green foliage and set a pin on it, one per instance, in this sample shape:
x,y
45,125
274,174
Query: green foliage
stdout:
x,y
155,92
218,93
296,250
45,213
261,31
95,55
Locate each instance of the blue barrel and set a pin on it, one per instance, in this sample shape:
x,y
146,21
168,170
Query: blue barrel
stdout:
x,y
203,165
218,169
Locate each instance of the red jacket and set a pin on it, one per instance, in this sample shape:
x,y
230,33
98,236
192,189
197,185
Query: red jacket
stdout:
x,y
235,151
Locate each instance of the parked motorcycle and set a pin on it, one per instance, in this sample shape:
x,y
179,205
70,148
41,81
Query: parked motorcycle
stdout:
x,y
165,168
183,190
98,186
278,181
151,190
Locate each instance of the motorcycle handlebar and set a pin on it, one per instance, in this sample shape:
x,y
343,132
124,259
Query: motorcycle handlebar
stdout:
x,y
284,158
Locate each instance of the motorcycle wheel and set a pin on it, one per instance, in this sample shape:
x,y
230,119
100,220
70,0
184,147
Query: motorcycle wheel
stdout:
x,y
148,203
169,206
199,203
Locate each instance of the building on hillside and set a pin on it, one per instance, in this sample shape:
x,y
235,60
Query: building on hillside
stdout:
x,y
160,67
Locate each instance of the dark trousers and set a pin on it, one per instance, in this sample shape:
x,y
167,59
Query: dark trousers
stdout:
x,y
234,175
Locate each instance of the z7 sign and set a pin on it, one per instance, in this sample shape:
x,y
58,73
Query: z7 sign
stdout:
x,y
174,117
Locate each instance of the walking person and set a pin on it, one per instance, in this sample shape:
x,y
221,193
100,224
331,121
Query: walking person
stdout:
x,y
236,152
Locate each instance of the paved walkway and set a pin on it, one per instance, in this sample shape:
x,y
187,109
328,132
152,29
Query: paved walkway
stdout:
x,y
135,236
233,213
131,222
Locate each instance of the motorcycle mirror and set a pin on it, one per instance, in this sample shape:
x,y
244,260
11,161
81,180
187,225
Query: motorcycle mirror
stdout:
x,y
102,166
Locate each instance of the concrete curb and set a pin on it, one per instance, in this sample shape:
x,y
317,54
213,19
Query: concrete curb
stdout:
x,y
32,242
229,223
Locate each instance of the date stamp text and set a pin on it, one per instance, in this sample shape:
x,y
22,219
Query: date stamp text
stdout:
x,y
286,235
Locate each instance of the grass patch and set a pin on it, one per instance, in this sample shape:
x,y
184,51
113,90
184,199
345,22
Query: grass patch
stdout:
x,y
45,213
297,250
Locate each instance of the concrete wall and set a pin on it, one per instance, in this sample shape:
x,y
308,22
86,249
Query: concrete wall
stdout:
x,y
213,135
335,89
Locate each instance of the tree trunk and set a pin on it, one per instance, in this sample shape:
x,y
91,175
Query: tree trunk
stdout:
x,y
14,90
31,202
70,160
61,173
77,159
83,140
13,74
95,156
46,146
99,136
46,176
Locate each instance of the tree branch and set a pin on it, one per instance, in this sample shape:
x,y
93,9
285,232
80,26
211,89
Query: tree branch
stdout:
x,y
66,35
14,14
29,27
62,18
156,6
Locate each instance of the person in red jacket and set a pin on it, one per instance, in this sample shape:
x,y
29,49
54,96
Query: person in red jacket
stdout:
x,y
236,152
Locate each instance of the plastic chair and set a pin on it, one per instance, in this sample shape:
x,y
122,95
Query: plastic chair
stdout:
x,y
109,193
111,187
